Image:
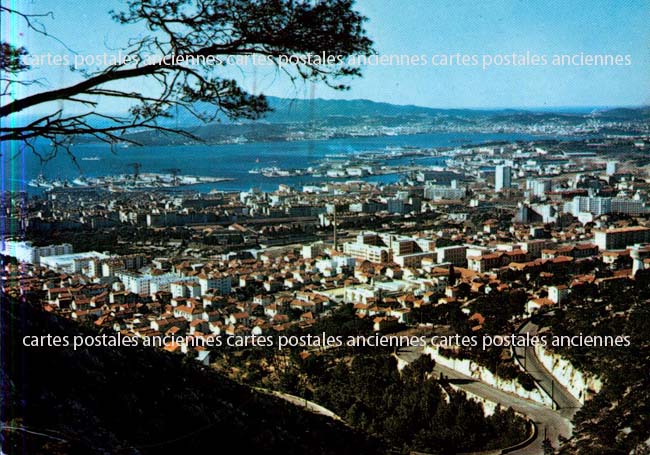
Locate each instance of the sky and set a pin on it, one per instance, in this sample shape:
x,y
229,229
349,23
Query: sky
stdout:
x,y
484,29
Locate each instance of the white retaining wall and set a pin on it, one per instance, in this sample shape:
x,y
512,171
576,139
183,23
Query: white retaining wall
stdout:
x,y
474,370
579,384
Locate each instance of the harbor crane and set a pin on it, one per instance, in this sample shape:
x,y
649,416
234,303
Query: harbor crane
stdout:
x,y
136,170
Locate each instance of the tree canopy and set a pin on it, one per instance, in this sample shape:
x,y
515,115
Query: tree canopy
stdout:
x,y
183,52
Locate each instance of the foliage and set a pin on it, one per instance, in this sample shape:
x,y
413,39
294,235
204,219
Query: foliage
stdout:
x,y
409,409
617,419
180,56
139,400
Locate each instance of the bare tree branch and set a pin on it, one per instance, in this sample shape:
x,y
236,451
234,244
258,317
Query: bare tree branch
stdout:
x,y
191,41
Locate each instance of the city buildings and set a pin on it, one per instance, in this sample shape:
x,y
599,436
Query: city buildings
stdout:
x,y
502,177
434,191
611,167
366,248
218,282
25,251
621,238
72,263
538,187
147,283
264,262
453,254
599,206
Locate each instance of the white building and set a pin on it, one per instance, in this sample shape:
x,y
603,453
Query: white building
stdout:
x,y
557,294
413,259
434,192
336,263
185,289
502,177
611,167
603,205
221,283
27,252
313,250
631,207
534,247
361,294
72,263
538,187
147,284
640,254
366,252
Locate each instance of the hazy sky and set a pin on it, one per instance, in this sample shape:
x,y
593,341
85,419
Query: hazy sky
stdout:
x,y
429,28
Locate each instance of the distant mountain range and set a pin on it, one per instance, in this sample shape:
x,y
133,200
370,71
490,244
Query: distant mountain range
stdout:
x,y
309,119
294,110
312,119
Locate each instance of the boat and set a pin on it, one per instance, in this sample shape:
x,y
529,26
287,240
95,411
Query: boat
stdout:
x,y
81,181
90,158
40,182
239,140
127,182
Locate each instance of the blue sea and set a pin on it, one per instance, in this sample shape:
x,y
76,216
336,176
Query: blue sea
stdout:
x,y
229,160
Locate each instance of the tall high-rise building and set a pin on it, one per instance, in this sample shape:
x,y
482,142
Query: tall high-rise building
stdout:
x,y
611,167
502,177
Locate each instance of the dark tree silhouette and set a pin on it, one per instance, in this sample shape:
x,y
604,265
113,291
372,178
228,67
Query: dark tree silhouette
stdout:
x,y
191,41
452,275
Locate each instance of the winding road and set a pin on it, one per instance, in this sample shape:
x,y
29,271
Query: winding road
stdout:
x,y
566,404
550,423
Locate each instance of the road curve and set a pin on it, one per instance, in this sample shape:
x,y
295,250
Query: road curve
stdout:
x,y
549,422
566,404
302,402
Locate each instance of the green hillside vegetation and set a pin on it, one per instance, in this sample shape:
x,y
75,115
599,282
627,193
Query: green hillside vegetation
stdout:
x,y
141,401
410,410
616,420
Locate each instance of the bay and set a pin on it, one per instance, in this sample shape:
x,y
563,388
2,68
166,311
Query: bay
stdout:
x,y
232,161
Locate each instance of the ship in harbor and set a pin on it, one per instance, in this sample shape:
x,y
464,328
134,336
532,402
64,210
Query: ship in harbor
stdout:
x,y
275,171
40,182
126,182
